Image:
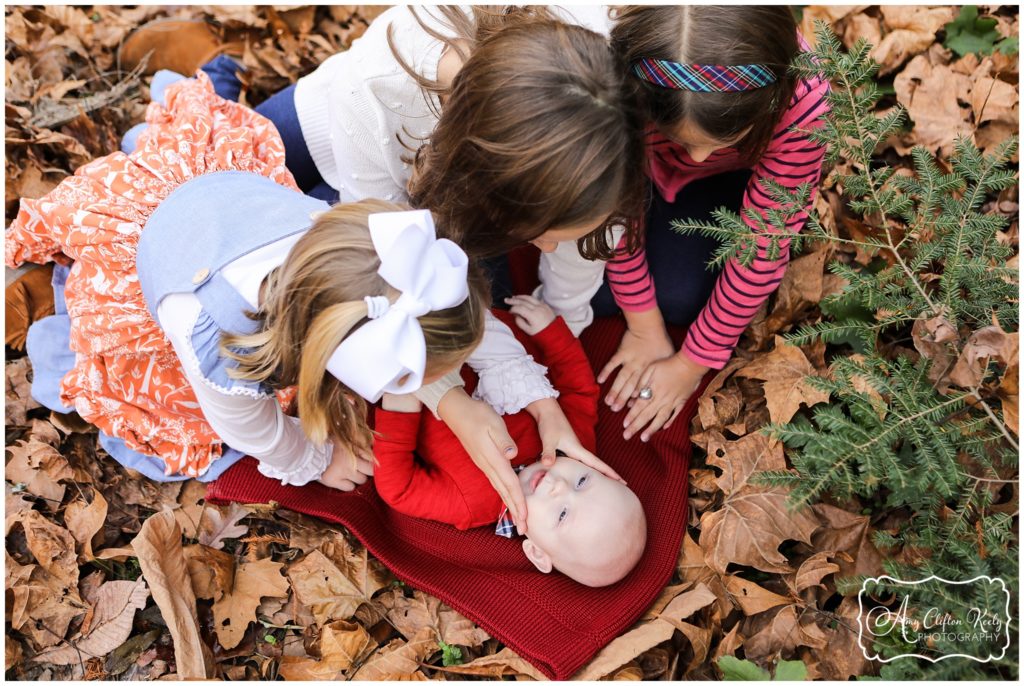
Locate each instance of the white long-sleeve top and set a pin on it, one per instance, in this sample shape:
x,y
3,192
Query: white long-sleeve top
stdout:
x,y
355,111
255,424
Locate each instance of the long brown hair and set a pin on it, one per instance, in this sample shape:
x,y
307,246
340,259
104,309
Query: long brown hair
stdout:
x,y
537,131
710,34
314,300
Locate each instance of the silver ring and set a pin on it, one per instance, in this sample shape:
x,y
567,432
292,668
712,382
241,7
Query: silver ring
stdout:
x,y
646,393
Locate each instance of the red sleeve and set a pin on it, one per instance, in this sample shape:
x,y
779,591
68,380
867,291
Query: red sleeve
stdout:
x,y
409,486
570,373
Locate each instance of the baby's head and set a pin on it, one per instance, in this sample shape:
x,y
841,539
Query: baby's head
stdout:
x,y
580,522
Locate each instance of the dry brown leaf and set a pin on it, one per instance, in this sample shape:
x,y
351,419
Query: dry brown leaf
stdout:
x,y
729,643
845,656
218,525
685,604
911,31
750,527
503,663
641,638
783,634
52,546
40,467
740,459
366,573
700,641
212,571
936,339
831,14
85,521
995,100
30,297
410,615
323,588
342,644
930,91
989,343
115,606
783,371
1009,395
814,569
237,607
752,598
397,658
628,672
850,533
801,287
158,547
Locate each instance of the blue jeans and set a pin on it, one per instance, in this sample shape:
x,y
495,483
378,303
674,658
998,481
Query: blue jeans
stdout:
x,y
682,282
280,109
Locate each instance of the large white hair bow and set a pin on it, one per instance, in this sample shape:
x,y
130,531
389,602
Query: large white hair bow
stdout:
x,y
388,354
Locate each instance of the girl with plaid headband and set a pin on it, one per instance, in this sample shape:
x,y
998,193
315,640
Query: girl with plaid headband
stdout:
x,y
721,104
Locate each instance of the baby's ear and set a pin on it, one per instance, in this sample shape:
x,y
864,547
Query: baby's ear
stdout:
x,y
540,559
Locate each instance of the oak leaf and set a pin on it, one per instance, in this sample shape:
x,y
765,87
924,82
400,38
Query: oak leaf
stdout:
x,y
783,371
911,31
233,612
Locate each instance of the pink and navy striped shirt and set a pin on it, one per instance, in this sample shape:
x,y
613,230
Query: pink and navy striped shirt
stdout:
x,y
790,159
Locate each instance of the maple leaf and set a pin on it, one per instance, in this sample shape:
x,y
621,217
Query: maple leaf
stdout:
x,y
784,371
753,520
752,598
783,634
212,571
218,525
233,612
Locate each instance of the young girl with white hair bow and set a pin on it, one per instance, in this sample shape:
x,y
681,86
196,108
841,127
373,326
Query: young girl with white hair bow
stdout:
x,y
203,282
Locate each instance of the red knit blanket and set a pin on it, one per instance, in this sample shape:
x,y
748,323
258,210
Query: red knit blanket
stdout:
x,y
556,624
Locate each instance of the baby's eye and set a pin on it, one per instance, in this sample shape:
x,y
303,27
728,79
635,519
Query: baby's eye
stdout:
x,y
563,514
582,480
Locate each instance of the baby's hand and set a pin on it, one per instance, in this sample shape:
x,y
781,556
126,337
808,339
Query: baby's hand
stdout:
x,y
347,470
406,402
532,315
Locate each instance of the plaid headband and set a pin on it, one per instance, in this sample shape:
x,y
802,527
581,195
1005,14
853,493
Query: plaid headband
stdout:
x,y
703,78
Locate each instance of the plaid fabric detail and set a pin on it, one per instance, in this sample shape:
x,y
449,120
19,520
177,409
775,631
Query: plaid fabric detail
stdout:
x,y
505,526
703,78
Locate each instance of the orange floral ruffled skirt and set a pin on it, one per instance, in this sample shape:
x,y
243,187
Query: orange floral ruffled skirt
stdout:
x,y
126,378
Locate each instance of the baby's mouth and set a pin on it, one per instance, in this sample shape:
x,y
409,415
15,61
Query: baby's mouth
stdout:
x,y
535,480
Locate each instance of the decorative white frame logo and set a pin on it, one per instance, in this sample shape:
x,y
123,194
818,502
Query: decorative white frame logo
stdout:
x,y
899,619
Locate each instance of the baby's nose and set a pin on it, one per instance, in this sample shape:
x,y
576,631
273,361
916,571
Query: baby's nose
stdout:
x,y
557,484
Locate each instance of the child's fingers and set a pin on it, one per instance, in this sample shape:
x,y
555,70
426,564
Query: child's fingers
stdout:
x,y
364,466
523,323
657,423
606,371
523,300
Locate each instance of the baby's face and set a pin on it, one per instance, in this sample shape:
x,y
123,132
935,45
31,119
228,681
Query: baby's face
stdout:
x,y
572,509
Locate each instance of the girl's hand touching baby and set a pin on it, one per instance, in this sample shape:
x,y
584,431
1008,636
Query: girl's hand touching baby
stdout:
x,y
347,470
532,315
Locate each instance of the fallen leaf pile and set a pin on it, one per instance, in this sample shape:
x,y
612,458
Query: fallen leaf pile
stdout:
x,y
108,575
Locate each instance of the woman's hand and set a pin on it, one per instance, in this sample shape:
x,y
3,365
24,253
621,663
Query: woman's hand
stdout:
x,y
672,381
557,434
645,341
484,436
348,469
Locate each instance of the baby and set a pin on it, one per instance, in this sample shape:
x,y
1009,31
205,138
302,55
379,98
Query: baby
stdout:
x,y
584,524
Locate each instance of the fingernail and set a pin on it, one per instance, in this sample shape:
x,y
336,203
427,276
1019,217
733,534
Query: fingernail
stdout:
x,y
509,450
